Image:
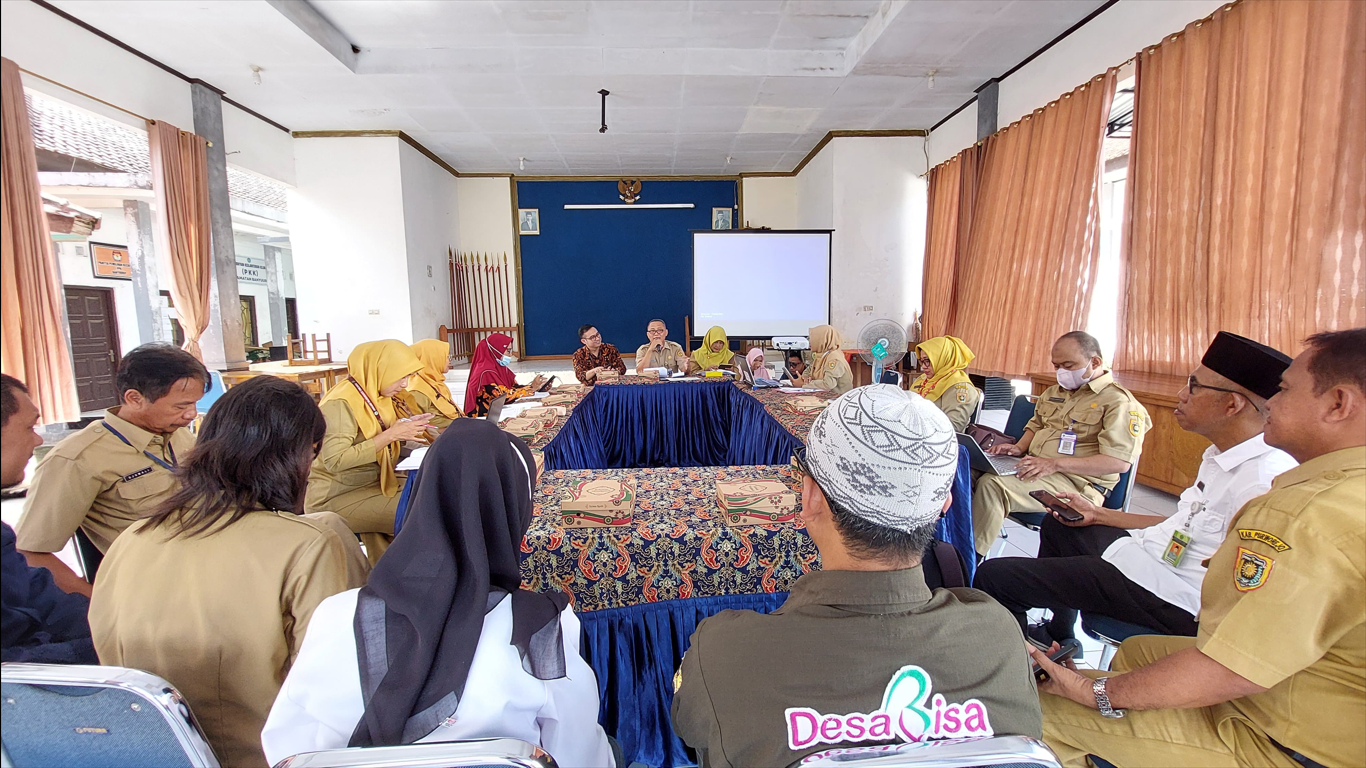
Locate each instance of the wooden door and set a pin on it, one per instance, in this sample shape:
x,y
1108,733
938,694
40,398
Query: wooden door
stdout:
x,y
248,321
94,345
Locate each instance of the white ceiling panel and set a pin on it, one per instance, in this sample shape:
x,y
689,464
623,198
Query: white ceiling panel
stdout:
x,y
483,82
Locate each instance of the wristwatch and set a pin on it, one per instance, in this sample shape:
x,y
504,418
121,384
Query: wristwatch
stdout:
x,y
1103,699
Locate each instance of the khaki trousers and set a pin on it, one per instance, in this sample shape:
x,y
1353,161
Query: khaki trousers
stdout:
x,y
368,512
1208,737
995,496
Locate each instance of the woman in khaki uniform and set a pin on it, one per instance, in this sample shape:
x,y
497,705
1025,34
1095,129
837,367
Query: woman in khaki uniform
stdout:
x,y
367,424
829,370
214,590
943,378
428,388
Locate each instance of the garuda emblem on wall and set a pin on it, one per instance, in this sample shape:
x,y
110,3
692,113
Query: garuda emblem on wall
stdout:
x,y
629,189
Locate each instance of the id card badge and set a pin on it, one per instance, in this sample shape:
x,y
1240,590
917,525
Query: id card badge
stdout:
x,y
1067,443
1176,548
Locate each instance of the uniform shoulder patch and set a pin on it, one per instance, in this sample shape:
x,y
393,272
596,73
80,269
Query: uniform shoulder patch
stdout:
x,y
1136,423
1251,570
962,393
1269,539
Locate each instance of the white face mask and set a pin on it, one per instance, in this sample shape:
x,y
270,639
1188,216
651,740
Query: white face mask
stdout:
x,y
1072,379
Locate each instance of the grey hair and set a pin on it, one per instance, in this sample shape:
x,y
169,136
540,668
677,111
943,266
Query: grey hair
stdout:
x,y
1085,342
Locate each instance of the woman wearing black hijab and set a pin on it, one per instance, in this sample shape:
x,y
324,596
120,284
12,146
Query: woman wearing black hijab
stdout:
x,y
443,644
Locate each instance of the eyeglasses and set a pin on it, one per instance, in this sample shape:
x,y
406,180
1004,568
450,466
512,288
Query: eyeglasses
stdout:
x,y
799,468
653,331
1193,384
594,337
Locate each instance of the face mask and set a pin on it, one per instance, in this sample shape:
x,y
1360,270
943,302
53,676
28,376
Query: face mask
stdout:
x,y
1072,379
505,360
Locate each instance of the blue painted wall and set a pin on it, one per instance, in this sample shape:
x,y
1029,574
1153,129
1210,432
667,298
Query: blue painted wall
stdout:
x,y
616,269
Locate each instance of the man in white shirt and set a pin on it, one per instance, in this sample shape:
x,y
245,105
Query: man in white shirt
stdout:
x,y
1144,569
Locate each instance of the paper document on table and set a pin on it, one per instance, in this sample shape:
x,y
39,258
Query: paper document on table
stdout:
x,y
538,395
683,378
413,461
514,410
797,390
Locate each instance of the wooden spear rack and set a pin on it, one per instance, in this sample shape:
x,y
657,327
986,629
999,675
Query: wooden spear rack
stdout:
x,y
481,301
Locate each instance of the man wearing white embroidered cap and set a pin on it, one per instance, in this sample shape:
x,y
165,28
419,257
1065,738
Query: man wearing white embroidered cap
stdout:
x,y
863,651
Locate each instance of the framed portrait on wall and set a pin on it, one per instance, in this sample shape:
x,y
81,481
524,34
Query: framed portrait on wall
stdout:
x,y
721,218
110,261
528,221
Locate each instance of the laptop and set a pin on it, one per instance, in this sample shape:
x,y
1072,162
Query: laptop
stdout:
x,y
985,462
496,408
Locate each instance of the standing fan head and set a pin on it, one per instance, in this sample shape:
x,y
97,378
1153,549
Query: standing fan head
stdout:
x,y
882,342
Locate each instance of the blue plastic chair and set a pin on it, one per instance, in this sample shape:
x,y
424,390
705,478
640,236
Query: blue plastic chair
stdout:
x,y
216,390
1021,411
1118,499
1111,632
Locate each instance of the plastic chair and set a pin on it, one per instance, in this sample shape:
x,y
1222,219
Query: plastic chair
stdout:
x,y
981,404
89,555
76,715
216,390
1118,499
1111,632
493,753
1013,751
1021,411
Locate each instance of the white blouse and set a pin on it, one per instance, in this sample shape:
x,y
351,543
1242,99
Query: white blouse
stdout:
x,y
320,702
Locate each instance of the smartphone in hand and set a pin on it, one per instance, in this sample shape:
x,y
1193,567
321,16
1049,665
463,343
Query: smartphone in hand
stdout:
x,y
1057,505
1063,653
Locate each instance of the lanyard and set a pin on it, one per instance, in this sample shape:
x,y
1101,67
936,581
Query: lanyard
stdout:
x,y
368,402
148,454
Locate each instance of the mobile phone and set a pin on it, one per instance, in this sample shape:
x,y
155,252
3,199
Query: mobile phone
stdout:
x,y
550,382
1063,653
1057,505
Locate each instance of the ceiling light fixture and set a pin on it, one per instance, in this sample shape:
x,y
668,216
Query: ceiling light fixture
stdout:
x,y
604,93
931,74
255,74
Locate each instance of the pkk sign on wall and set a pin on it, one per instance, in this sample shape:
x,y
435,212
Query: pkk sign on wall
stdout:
x,y
251,270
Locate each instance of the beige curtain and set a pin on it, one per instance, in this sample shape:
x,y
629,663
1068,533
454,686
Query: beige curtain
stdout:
x,y
34,347
1247,202
180,177
952,194
1026,276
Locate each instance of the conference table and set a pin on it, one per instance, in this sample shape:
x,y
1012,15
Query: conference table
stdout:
x,y
639,591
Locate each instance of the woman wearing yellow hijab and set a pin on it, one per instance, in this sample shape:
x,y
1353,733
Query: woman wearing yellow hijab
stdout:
x,y
943,380
367,423
828,370
714,352
428,388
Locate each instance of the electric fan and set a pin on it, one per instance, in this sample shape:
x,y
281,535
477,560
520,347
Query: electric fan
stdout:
x,y
882,343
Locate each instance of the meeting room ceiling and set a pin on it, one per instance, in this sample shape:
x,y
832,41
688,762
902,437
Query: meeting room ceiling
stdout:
x,y
697,86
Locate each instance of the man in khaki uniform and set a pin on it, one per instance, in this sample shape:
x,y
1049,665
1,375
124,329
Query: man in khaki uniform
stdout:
x,y
1277,673
659,352
862,651
1086,431
116,471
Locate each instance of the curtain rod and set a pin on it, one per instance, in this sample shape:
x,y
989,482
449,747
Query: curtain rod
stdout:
x,y
96,98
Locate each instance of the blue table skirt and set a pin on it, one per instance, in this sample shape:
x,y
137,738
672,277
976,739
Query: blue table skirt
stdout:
x,y
692,424
634,652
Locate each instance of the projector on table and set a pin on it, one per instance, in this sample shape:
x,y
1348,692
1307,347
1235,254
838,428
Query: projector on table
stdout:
x,y
791,342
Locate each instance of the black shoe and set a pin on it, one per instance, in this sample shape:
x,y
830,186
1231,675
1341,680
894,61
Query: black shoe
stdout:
x,y
1039,635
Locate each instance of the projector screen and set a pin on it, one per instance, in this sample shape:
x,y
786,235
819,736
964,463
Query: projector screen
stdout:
x,y
757,283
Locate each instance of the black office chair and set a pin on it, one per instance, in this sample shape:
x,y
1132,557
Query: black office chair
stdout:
x,y
89,555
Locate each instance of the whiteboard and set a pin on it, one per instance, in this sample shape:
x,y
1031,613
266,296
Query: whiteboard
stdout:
x,y
758,283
